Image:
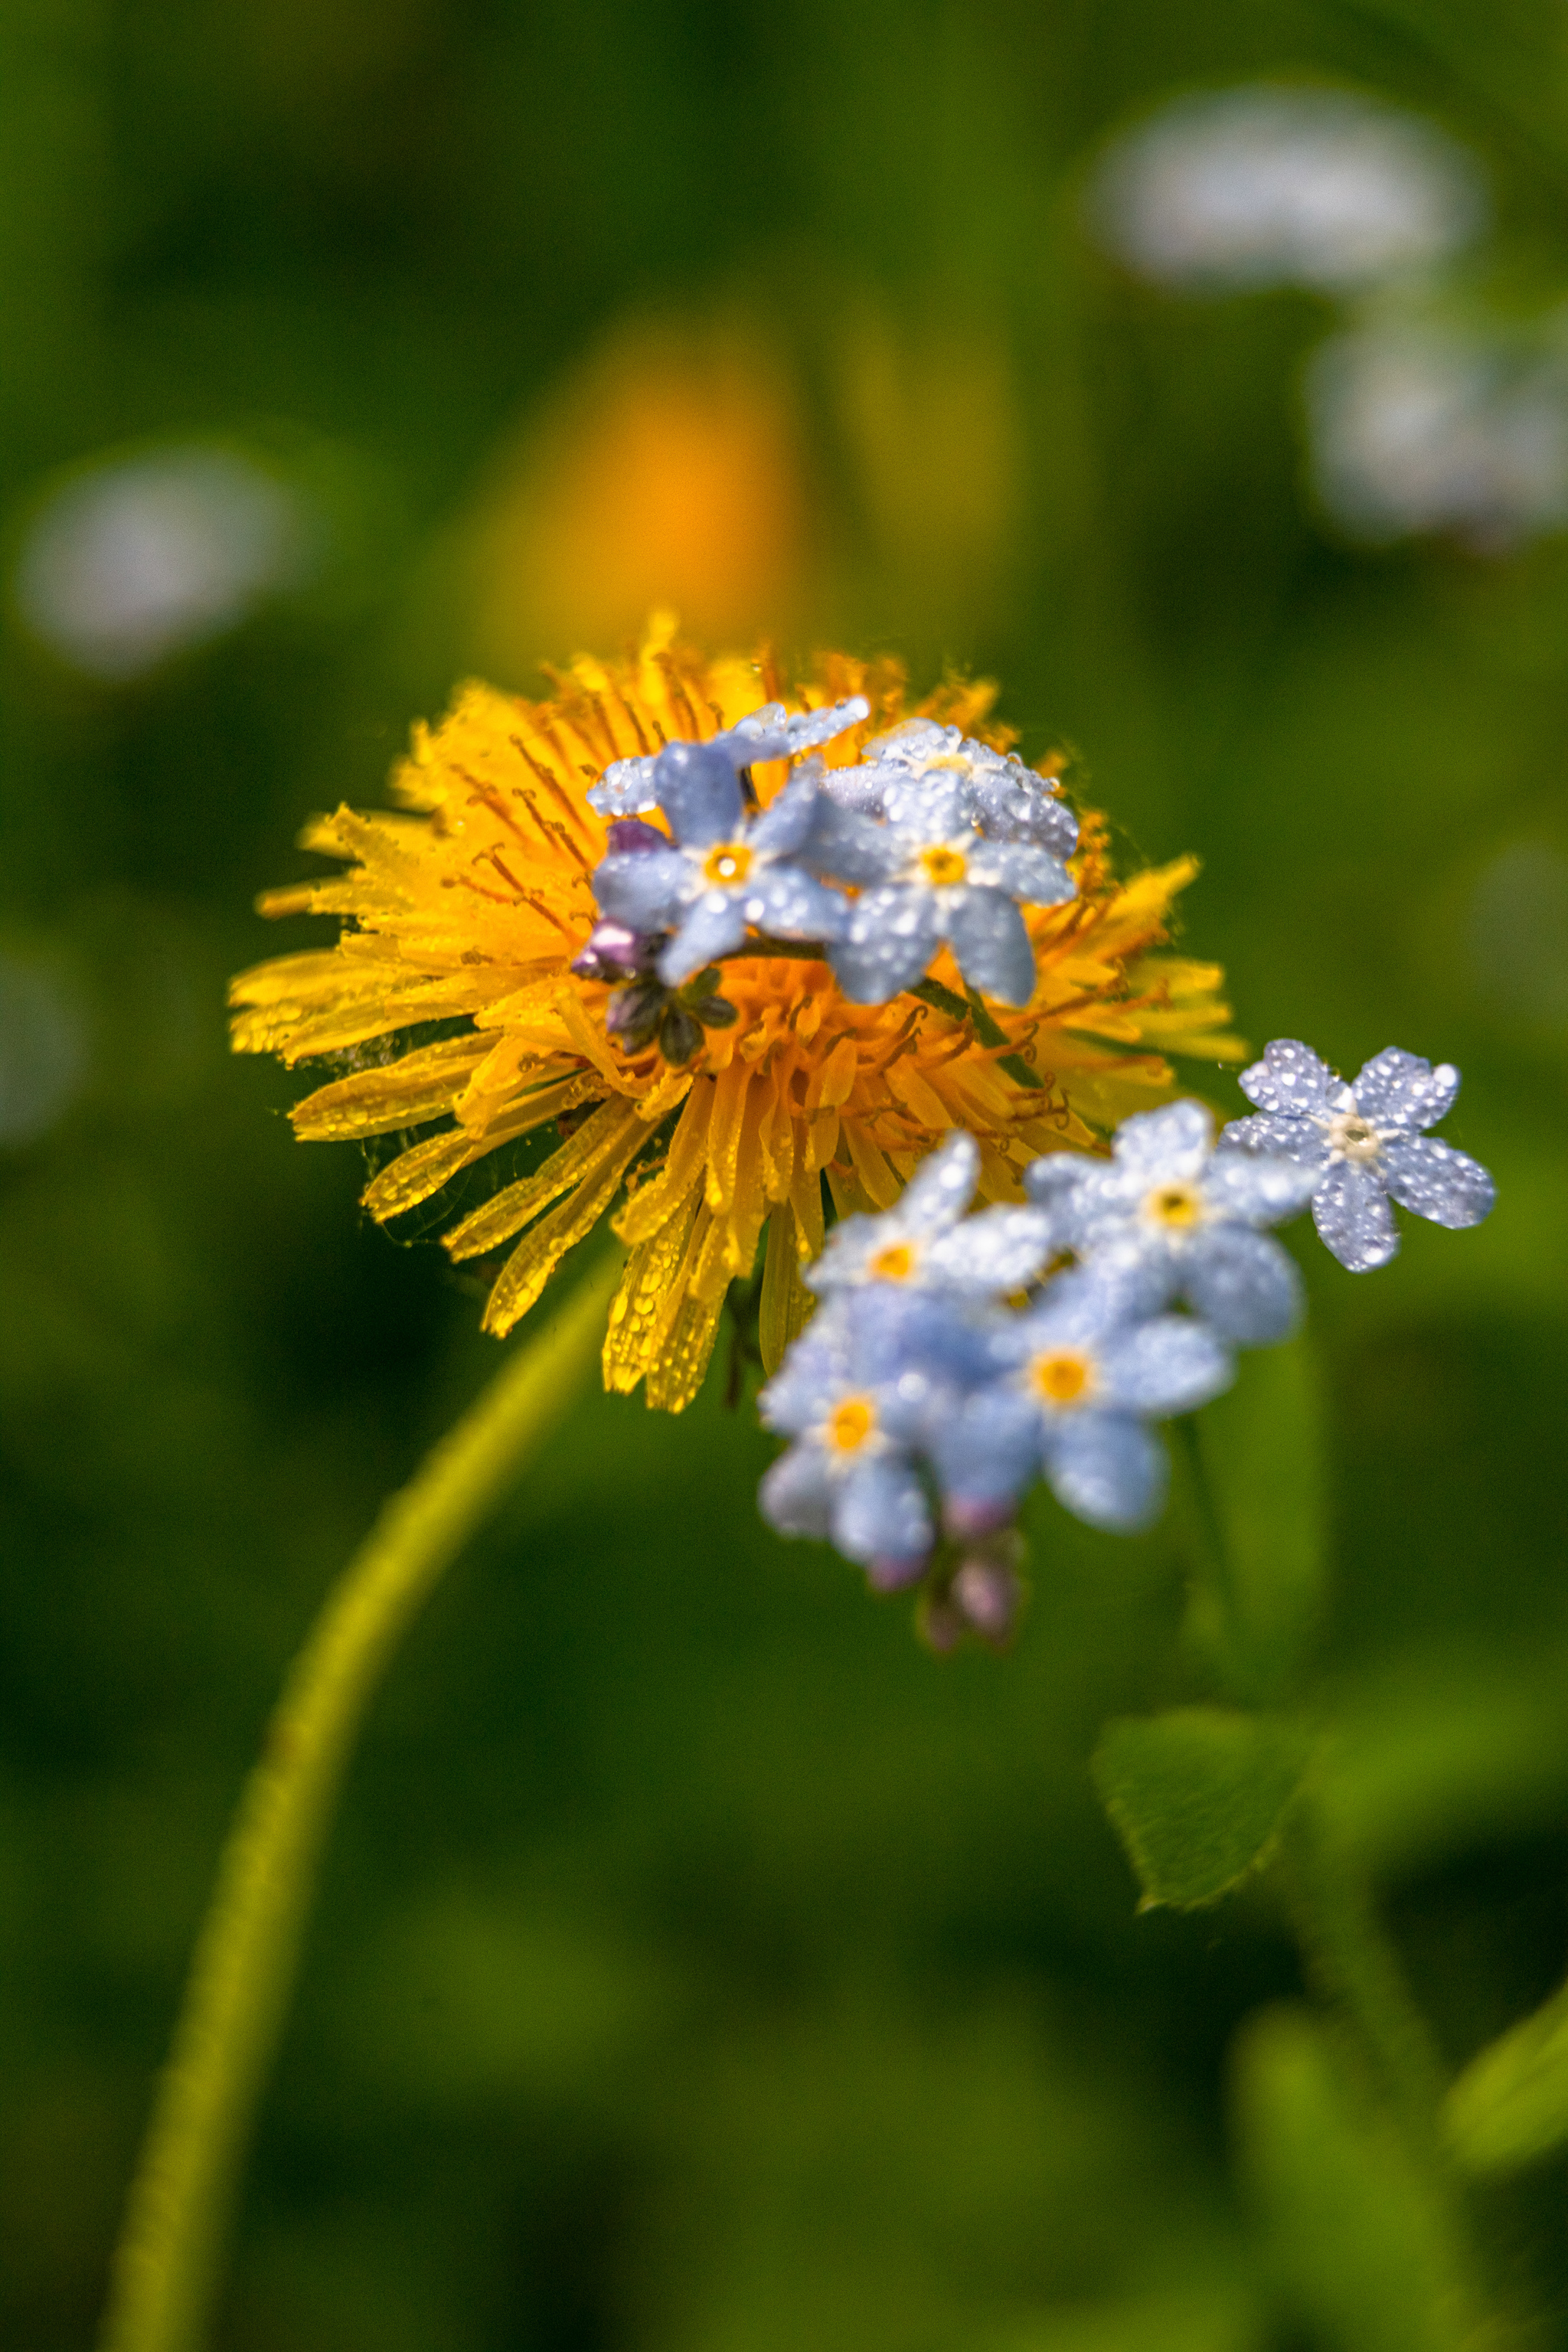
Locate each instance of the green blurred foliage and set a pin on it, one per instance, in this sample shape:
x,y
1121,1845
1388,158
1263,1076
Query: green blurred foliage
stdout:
x,y
700,1962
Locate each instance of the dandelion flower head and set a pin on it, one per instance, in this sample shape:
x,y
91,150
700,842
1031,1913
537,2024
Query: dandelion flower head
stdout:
x,y
459,1044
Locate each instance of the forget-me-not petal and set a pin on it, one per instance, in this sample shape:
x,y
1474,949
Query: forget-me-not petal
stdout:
x,y
1246,1284
645,889
1350,1211
1436,1181
991,943
1107,1468
1399,1091
712,926
889,940
1290,1077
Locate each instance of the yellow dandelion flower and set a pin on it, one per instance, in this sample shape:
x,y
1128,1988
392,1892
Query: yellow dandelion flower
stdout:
x,y
462,1035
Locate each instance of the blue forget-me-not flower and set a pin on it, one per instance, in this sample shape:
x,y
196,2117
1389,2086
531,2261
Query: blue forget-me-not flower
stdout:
x,y
1081,1373
927,875
724,873
1170,1217
1006,801
861,1393
1362,1145
632,787
925,1241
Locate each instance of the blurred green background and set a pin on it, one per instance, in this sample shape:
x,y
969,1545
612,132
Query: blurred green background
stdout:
x,y
700,1962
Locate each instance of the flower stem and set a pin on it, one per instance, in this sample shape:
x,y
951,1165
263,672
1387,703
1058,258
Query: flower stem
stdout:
x,y
1352,1964
165,2266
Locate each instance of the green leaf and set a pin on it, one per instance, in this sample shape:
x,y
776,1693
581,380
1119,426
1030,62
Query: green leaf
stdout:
x,y
1511,2104
1261,1447
1197,1795
1360,2241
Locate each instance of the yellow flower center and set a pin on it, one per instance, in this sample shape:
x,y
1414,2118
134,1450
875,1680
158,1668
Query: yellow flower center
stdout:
x,y
1176,1205
959,759
850,1424
1062,1376
896,1262
727,862
1354,1137
943,866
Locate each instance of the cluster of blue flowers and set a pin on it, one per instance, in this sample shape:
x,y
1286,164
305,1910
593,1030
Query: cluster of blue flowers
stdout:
x,y
956,1358
942,839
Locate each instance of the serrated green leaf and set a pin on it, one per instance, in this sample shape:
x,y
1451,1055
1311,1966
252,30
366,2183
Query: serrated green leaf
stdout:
x,y
1511,2104
1360,2240
1258,1614
1197,1795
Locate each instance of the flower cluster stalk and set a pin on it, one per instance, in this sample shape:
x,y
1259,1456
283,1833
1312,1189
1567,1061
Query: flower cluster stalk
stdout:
x,y
165,2266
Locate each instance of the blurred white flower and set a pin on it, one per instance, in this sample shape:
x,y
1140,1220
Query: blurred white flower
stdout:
x,y
1424,428
1266,185
135,560
43,1049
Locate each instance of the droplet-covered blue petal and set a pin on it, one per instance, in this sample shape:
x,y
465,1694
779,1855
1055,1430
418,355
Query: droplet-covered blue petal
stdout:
x,y
991,943
1350,1211
881,1512
1168,1146
713,926
1107,1468
771,734
998,1252
644,888
793,905
1243,1284
1026,874
988,1451
941,1189
1290,1078
849,847
888,942
627,788
1436,1181
1172,1363
699,792
797,1493
1278,1131
1400,1091
785,823
1259,1188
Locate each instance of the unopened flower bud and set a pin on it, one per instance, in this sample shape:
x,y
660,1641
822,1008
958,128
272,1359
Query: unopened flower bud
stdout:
x,y
715,1013
885,1574
987,1595
633,1014
630,836
679,1035
613,951
972,1519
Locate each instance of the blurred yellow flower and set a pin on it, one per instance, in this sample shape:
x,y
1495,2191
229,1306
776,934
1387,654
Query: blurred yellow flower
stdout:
x,y
667,470
465,909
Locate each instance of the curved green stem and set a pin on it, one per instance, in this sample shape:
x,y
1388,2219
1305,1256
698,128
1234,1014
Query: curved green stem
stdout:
x,y
165,2266
1352,1964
